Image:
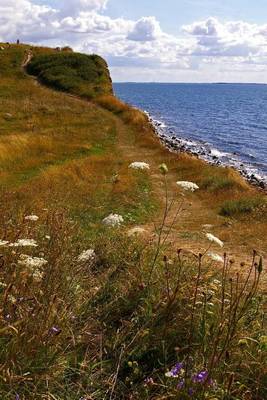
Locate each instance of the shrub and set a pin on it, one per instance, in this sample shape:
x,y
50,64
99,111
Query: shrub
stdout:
x,y
76,73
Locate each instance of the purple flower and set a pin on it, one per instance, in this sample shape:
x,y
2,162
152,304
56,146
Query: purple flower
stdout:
x,y
17,397
55,330
191,391
175,371
181,384
200,377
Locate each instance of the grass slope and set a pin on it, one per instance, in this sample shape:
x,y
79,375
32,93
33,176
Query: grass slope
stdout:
x,y
97,329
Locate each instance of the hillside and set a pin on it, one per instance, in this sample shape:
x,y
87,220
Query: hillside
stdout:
x,y
87,76
93,311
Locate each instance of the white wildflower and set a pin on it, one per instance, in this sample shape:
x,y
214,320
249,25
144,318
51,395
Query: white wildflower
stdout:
x,y
31,218
3,285
207,226
31,262
38,275
214,239
3,242
87,255
48,237
136,231
24,243
113,220
139,165
188,185
12,298
216,257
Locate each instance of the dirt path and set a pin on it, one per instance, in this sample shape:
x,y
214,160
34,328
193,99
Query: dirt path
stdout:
x,y
27,59
196,217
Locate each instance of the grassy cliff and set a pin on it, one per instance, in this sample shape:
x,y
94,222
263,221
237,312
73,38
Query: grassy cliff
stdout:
x,y
150,309
80,74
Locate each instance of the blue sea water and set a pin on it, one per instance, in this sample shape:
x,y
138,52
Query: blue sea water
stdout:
x,y
230,120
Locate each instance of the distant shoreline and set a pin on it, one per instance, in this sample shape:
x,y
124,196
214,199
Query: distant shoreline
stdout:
x,y
190,83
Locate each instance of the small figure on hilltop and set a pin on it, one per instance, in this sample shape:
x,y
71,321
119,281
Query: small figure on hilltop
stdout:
x,y
18,42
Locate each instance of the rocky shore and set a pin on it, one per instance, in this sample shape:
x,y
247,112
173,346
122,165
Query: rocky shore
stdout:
x,y
203,151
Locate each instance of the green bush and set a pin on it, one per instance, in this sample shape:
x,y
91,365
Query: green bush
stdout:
x,y
80,74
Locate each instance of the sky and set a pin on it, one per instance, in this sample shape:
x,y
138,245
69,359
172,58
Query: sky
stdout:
x,y
151,40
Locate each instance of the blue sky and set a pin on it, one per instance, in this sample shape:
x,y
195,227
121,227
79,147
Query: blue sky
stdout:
x,y
187,11
159,40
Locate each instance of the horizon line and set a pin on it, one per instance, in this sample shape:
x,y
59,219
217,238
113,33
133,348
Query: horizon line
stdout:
x,y
194,83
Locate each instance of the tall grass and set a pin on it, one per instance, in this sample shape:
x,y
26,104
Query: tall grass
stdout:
x,y
137,321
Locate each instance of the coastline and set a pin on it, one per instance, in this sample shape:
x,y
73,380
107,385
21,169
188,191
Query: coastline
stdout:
x,y
176,144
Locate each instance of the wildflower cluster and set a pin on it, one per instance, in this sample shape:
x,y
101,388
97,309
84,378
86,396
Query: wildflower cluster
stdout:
x,y
87,256
214,239
31,262
113,220
190,186
216,257
139,165
191,381
33,218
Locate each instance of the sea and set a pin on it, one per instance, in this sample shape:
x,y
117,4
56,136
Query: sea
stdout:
x,y
226,123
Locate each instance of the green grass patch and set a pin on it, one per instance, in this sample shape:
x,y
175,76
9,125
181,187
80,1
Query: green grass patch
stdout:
x,y
216,183
243,206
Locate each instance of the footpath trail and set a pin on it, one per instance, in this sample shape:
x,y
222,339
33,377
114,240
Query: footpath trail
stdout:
x,y
27,59
196,217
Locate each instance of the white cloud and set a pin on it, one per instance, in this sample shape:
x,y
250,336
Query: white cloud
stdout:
x,y
21,18
233,39
92,22
70,7
145,29
205,50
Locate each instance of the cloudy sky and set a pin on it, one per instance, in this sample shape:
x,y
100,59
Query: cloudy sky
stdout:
x,y
151,40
